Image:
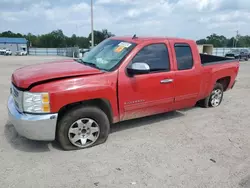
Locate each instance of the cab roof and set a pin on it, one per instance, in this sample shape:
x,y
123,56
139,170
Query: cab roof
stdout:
x,y
139,40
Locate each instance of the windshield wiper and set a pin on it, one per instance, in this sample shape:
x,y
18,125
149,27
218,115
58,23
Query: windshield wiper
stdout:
x,y
87,63
90,64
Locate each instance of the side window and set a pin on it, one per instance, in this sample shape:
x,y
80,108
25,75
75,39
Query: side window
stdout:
x,y
184,56
155,55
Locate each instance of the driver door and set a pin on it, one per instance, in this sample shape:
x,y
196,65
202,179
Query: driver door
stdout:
x,y
151,93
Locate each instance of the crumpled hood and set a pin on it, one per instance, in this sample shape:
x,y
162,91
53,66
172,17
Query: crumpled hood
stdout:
x,y
25,76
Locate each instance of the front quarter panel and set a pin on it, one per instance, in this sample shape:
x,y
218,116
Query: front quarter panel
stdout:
x,y
72,90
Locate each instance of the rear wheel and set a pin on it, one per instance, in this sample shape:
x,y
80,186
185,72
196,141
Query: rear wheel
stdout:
x,y
83,127
215,98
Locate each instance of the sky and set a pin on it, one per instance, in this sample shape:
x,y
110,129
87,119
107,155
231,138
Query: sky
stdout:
x,y
192,19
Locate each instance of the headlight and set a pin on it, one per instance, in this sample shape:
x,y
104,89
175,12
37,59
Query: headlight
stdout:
x,y
36,102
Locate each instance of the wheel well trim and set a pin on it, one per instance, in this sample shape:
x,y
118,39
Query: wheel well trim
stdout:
x,y
225,81
102,103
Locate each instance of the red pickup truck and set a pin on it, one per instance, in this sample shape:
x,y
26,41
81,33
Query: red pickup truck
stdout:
x,y
75,101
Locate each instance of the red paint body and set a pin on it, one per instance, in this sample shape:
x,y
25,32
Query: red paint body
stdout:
x,y
74,82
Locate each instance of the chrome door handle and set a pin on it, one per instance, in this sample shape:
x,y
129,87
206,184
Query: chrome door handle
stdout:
x,y
166,81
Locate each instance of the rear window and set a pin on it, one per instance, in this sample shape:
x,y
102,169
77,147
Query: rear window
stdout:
x,y
184,56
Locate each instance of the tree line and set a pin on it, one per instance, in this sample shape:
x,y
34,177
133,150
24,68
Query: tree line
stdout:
x,y
57,39
222,41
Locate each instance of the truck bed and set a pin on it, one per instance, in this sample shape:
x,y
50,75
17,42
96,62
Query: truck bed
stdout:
x,y
212,59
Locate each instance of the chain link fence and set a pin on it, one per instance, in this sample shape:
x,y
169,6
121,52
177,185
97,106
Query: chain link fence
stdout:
x,y
223,51
68,52
75,52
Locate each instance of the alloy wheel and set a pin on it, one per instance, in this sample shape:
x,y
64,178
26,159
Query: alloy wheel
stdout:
x,y
216,97
84,132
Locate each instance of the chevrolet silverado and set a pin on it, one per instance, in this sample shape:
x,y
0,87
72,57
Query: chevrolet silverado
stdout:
x,y
75,101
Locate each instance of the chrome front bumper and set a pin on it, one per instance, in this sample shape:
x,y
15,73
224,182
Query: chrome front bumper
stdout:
x,y
34,127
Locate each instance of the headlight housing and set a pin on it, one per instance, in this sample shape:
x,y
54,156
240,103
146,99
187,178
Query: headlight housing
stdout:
x,y
36,102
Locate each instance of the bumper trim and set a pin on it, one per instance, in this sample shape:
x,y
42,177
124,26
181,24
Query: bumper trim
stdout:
x,y
34,127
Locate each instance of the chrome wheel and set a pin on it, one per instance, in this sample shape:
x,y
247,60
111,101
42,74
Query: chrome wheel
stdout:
x,y
216,97
83,132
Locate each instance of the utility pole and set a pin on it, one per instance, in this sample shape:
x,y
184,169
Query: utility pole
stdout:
x,y
76,30
236,38
92,25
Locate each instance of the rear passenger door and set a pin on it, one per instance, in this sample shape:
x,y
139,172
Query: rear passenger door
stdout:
x,y
187,78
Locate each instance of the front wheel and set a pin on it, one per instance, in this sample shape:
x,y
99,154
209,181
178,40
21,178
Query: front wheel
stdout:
x,y
215,98
83,127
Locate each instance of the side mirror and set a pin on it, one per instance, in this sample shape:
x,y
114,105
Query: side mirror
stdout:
x,y
138,68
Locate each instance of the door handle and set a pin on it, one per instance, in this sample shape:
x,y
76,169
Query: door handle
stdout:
x,y
166,81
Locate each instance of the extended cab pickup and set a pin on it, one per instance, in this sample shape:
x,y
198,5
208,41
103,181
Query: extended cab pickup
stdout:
x,y
122,78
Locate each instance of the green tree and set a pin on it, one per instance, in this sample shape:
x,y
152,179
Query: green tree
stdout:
x,y
222,41
230,42
99,36
243,41
201,41
10,34
217,40
107,34
33,40
83,42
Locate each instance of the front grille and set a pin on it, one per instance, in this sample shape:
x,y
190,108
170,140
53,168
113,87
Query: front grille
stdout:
x,y
15,92
17,97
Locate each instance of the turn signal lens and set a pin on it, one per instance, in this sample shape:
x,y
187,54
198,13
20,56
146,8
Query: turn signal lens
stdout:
x,y
45,97
46,107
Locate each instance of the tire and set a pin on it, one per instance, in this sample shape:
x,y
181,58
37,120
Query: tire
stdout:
x,y
208,101
69,124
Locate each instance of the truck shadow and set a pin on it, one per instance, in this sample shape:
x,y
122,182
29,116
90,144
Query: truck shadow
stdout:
x,y
22,144
25,145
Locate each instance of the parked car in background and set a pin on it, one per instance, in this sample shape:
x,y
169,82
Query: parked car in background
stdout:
x,y
2,51
8,52
238,54
21,52
83,52
247,52
5,51
76,100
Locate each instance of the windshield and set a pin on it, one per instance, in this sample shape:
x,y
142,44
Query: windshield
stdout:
x,y
108,54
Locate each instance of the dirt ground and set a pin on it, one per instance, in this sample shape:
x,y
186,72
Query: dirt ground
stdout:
x,y
188,148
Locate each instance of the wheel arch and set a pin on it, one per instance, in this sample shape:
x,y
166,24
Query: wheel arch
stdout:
x,y
224,81
101,103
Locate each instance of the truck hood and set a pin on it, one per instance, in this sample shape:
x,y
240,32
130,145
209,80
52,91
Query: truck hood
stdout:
x,y
26,76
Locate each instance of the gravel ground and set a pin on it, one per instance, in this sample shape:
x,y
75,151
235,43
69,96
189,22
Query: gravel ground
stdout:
x,y
188,148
